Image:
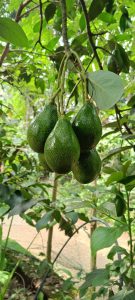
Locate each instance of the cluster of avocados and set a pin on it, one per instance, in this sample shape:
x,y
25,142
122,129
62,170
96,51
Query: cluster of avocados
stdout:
x,y
65,147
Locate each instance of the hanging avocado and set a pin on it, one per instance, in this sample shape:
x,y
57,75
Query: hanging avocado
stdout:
x,y
88,167
120,204
87,126
41,127
62,147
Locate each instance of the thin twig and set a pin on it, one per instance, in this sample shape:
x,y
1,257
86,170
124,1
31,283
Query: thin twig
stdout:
x,y
89,33
39,41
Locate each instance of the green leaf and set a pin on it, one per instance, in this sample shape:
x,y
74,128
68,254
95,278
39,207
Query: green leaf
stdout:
x,y
50,11
114,177
116,249
4,276
96,8
116,151
104,237
39,83
105,87
13,245
12,32
3,210
96,278
44,221
124,295
82,22
107,18
108,207
131,101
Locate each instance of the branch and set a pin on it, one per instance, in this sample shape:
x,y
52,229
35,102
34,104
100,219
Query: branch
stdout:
x,y
118,113
6,50
103,49
41,26
64,25
99,33
90,35
28,12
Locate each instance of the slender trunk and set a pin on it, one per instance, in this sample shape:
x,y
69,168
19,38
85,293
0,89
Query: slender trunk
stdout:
x,y
50,231
93,259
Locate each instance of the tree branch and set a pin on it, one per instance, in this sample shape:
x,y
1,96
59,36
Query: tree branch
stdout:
x,y
41,26
90,35
64,25
17,18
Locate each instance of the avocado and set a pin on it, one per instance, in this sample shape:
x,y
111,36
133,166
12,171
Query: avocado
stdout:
x,y
112,64
62,147
41,127
43,162
120,204
88,167
87,126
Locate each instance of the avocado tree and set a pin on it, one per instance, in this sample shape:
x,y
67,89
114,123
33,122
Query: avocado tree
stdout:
x,y
68,67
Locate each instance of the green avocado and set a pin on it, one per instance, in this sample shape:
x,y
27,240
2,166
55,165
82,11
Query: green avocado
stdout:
x,y
43,162
62,147
87,126
88,167
41,127
112,64
120,204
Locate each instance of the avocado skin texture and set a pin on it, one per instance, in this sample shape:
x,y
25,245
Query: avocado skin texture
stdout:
x,y
62,147
41,127
43,162
87,126
88,166
120,204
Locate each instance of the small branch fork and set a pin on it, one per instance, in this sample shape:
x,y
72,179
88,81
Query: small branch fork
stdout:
x,y
17,19
90,35
41,26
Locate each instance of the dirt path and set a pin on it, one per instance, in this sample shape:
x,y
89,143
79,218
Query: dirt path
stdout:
x,y
75,256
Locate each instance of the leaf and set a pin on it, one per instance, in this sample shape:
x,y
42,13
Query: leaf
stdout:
x,y
44,221
82,22
96,278
105,87
116,249
12,32
3,210
4,276
107,18
131,101
108,207
116,151
22,207
104,237
39,83
114,177
50,11
13,245
124,295
96,8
